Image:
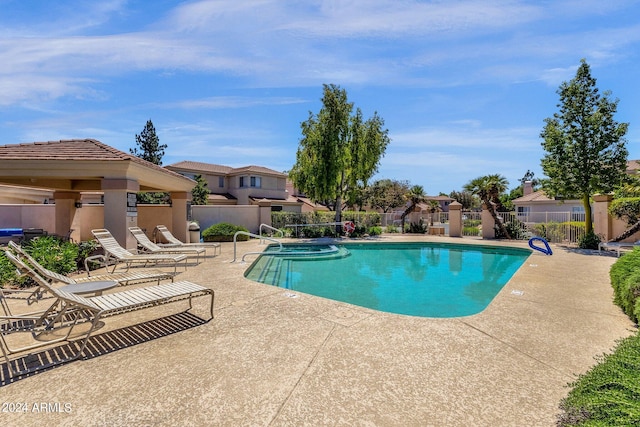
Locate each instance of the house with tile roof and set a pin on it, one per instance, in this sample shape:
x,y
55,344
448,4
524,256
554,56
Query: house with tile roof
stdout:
x,y
247,185
534,204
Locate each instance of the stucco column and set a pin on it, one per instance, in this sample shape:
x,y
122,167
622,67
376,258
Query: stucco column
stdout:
x,y
179,225
265,212
488,224
602,224
66,216
120,209
455,219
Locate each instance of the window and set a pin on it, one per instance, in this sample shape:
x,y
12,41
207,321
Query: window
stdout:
x,y
524,211
577,213
221,181
253,181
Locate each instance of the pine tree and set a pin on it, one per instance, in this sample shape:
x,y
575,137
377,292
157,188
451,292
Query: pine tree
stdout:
x,y
150,148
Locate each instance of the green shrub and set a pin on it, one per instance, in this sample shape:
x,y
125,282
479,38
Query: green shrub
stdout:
x,y
625,280
313,232
515,228
470,231
607,395
53,253
224,232
392,229
589,241
359,231
472,222
8,274
375,230
281,219
558,231
417,227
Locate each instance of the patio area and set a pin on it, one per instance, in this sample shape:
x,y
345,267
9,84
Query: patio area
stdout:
x,y
270,358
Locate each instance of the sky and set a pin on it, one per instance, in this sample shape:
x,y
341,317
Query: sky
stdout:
x,y
463,86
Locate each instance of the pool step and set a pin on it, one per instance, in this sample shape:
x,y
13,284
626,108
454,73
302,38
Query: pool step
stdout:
x,y
272,271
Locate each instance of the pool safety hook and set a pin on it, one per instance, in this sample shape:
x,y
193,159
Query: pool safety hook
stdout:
x,y
547,250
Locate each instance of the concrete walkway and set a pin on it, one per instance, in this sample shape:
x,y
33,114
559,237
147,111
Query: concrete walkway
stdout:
x,y
270,359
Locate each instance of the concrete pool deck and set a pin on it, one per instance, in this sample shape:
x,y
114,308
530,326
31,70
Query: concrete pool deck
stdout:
x,y
275,358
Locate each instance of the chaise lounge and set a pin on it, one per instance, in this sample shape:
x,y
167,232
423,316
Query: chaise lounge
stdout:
x,y
173,242
149,247
58,322
122,278
617,246
113,251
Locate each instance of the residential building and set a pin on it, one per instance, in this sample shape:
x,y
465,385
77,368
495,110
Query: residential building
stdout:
x,y
533,204
536,206
246,185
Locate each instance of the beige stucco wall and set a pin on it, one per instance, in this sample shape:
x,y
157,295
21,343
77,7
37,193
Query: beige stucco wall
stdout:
x,y
91,217
149,216
246,216
551,206
27,216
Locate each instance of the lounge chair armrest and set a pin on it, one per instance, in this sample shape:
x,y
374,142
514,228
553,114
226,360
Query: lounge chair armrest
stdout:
x,y
101,259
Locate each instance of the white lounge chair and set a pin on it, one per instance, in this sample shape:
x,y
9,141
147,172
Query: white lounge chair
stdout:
x,y
22,333
123,278
113,251
617,246
173,242
149,247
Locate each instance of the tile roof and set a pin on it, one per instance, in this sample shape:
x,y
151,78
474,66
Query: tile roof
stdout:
x,y
256,169
536,196
73,149
289,199
226,196
200,167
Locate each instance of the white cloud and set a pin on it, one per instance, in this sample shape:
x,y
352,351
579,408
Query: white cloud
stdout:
x,y
224,102
274,43
468,137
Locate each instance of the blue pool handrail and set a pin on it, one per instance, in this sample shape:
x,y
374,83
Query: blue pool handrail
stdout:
x,y
546,250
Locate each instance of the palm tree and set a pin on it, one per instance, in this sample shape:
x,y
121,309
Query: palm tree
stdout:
x,y
433,207
489,188
414,197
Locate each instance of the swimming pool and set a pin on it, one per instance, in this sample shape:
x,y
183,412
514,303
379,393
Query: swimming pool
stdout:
x,y
417,279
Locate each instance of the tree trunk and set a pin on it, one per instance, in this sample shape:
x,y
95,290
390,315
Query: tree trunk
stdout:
x,y
404,215
498,220
588,222
338,218
628,233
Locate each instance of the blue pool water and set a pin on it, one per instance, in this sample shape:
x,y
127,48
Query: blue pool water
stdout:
x,y
418,279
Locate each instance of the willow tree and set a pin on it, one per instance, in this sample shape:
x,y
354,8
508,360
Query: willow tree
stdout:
x,y
338,152
585,147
